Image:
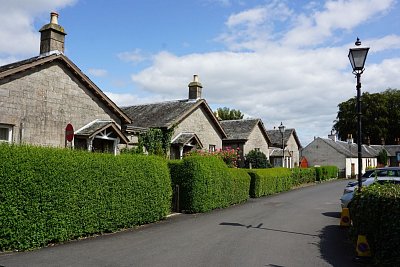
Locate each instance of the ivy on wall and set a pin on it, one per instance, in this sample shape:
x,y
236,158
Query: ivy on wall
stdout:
x,y
157,141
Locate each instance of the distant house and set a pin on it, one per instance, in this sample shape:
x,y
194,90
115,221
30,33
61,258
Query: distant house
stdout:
x,y
344,155
247,135
193,123
291,145
41,95
393,153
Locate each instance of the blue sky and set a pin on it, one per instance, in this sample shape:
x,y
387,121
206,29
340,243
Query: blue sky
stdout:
x,y
275,60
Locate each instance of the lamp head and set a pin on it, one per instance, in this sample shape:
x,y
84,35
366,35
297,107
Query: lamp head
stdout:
x,y
357,57
281,128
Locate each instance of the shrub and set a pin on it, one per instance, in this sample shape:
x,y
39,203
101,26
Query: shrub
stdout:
x,y
326,172
206,183
382,157
303,176
375,213
52,195
229,155
269,181
257,159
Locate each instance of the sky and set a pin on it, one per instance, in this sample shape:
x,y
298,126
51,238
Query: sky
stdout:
x,y
281,61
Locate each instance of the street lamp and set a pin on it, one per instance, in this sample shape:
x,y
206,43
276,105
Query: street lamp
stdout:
x,y
357,58
282,130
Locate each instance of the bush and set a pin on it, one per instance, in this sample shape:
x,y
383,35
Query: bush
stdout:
x,y
269,181
257,159
303,176
326,172
206,183
52,195
229,155
375,212
382,157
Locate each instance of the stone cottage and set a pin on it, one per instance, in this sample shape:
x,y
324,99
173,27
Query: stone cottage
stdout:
x,y
247,135
192,121
291,145
44,96
344,155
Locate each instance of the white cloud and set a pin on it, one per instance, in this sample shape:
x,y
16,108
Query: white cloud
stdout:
x,y
389,42
98,72
134,56
287,76
17,33
313,29
124,100
253,28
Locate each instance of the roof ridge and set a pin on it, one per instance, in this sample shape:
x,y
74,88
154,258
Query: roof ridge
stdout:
x,y
162,102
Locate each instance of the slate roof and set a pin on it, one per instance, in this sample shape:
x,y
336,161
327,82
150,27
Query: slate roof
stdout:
x,y
351,150
167,114
390,149
92,127
96,126
276,137
277,152
185,138
23,65
241,129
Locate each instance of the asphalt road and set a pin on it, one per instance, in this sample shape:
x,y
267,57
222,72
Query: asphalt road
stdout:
x,y
296,228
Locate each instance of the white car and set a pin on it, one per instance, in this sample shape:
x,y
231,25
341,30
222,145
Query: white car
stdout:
x,y
381,175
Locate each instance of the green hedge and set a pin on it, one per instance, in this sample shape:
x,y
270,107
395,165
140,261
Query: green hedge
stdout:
x,y
376,213
52,195
269,181
303,176
326,172
206,183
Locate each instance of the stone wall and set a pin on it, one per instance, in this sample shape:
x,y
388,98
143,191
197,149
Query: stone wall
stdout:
x,y
256,140
200,123
320,153
293,148
40,102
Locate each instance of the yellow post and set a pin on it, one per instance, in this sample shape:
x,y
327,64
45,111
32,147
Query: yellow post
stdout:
x,y
363,249
345,217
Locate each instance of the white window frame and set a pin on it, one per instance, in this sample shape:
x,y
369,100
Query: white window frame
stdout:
x,y
211,148
10,132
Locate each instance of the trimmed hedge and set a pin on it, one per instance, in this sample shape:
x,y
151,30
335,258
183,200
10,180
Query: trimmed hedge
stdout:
x,y
269,181
326,172
206,183
303,176
52,195
375,212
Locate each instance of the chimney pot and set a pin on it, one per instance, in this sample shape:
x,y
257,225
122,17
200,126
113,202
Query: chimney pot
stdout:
x,y
54,18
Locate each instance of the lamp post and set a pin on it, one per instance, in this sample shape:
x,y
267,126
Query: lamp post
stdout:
x,y
282,130
357,58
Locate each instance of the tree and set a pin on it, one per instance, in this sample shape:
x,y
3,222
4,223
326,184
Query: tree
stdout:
x,y
382,157
380,117
257,159
228,114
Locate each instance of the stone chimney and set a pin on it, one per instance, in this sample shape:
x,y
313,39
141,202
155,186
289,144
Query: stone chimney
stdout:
x,y
52,36
350,139
368,140
195,88
333,136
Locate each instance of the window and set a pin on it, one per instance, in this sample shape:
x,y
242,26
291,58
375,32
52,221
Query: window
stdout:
x,y
256,149
5,133
211,148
